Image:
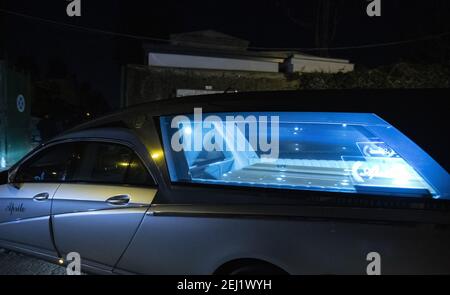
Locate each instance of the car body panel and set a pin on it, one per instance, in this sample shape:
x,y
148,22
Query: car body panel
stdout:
x,y
24,220
100,237
84,222
201,243
73,198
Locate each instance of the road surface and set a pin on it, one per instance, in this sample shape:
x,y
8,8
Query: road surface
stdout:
x,y
12,263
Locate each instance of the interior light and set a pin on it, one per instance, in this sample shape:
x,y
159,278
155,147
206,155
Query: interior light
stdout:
x,y
156,155
400,175
123,164
187,130
3,162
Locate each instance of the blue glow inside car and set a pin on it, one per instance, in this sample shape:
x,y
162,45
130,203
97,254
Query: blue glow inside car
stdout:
x,y
333,152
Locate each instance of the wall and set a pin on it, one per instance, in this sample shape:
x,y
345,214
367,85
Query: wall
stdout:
x,y
145,83
318,65
15,125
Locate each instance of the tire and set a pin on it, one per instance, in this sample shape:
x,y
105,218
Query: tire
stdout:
x,y
257,269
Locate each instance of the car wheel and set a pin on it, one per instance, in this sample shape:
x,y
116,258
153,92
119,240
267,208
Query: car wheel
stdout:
x,y
257,269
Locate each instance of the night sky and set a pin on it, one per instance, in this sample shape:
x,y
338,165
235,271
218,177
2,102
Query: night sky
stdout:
x,y
52,50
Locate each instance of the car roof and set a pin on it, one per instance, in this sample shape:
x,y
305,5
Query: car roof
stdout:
x,y
356,100
98,133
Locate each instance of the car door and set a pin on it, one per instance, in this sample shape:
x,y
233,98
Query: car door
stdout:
x,y
25,204
98,213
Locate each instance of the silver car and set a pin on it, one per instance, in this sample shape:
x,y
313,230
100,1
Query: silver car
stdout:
x,y
231,185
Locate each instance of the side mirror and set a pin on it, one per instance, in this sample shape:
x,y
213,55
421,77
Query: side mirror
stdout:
x,y
11,175
11,179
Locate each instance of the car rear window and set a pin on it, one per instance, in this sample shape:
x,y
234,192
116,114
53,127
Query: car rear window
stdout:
x,y
333,152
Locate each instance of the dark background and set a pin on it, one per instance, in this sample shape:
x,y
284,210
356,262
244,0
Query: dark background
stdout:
x,y
38,37
53,50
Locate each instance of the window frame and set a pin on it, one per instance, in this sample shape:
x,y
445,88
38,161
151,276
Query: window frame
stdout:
x,y
32,156
275,190
122,143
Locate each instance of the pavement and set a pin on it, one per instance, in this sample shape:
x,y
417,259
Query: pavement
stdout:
x,y
12,263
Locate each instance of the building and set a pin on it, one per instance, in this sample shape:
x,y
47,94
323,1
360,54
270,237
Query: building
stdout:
x,y
15,137
205,62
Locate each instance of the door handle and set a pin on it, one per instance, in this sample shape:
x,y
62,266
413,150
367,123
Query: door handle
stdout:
x,y
119,200
41,197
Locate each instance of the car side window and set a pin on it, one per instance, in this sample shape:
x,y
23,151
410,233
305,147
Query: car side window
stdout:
x,y
331,152
109,163
53,164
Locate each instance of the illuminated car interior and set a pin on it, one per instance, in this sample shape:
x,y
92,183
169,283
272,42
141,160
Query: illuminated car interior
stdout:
x,y
316,152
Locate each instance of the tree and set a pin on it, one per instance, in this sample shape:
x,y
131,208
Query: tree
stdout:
x,y
326,24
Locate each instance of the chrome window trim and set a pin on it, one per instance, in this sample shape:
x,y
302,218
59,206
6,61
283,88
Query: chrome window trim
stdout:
x,y
318,213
